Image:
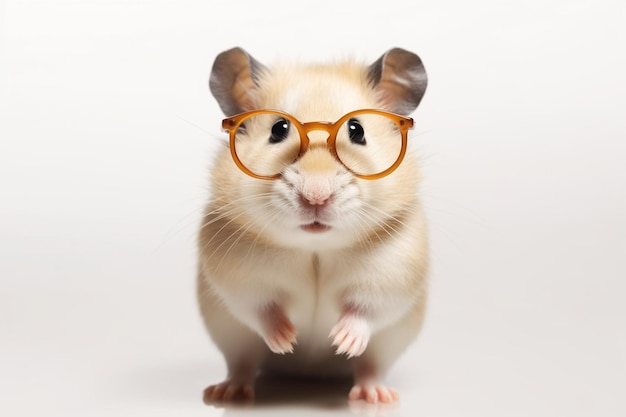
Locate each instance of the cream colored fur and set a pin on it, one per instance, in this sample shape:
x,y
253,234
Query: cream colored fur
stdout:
x,y
254,255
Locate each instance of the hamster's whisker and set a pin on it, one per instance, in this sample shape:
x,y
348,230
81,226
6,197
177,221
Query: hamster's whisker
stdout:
x,y
240,233
234,236
181,225
215,235
276,214
364,230
230,211
381,223
230,208
231,219
390,216
387,214
236,202
196,126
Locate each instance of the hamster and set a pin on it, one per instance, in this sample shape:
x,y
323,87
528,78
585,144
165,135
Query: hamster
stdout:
x,y
314,271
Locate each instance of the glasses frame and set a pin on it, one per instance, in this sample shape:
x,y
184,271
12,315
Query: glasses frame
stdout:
x,y
233,123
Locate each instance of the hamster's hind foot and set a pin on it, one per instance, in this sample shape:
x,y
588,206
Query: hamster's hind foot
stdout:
x,y
373,393
229,391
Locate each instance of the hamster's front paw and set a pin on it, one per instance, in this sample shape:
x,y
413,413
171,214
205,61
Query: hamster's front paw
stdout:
x,y
278,331
351,334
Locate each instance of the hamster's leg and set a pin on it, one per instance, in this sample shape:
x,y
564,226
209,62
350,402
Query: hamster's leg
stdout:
x,y
374,353
351,335
241,346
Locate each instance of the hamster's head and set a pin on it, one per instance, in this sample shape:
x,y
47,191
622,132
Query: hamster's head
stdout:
x,y
283,180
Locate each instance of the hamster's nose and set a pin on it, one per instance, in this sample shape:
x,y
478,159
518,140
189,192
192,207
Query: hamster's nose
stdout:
x,y
314,200
315,192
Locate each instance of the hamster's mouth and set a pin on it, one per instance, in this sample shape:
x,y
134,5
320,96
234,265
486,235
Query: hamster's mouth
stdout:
x,y
315,227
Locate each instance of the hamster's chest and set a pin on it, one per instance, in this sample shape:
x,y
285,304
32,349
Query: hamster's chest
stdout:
x,y
310,290
312,298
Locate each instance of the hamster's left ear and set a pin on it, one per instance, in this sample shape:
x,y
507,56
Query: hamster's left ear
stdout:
x,y
400,79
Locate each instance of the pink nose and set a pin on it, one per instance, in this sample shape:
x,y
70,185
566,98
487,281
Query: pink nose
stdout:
x,y
314,199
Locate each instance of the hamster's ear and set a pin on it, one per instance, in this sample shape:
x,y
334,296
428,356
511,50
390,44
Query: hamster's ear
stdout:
x,y
400,79
234,81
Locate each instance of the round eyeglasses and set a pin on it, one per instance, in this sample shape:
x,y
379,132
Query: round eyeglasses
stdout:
x,y
369,143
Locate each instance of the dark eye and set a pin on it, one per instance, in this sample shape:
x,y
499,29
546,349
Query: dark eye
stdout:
x,y
356,132
280,130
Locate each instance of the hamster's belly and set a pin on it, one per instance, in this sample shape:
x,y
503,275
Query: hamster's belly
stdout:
x,y
314,309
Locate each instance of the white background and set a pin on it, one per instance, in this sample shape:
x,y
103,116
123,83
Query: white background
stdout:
x,y
107,130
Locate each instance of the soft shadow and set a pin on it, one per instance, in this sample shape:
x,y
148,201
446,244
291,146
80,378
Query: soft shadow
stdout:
x,y
326,393
276,395
289,395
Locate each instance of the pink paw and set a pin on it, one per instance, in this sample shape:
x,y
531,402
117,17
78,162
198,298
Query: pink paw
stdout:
x,y
351,335
373,393
229,391
279,332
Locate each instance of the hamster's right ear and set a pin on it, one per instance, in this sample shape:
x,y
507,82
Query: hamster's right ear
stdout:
x,y
234,81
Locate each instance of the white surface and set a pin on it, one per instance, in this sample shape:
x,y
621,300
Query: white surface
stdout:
x,y
107,128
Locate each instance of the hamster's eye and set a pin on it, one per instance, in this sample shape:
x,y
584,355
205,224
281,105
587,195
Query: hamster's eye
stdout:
x,y
356,132
280,130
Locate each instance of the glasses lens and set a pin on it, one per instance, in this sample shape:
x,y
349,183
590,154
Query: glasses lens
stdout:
x,y
267,143
369,143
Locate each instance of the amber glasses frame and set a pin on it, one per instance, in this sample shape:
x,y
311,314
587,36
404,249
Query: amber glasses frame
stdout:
x,y
233,123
